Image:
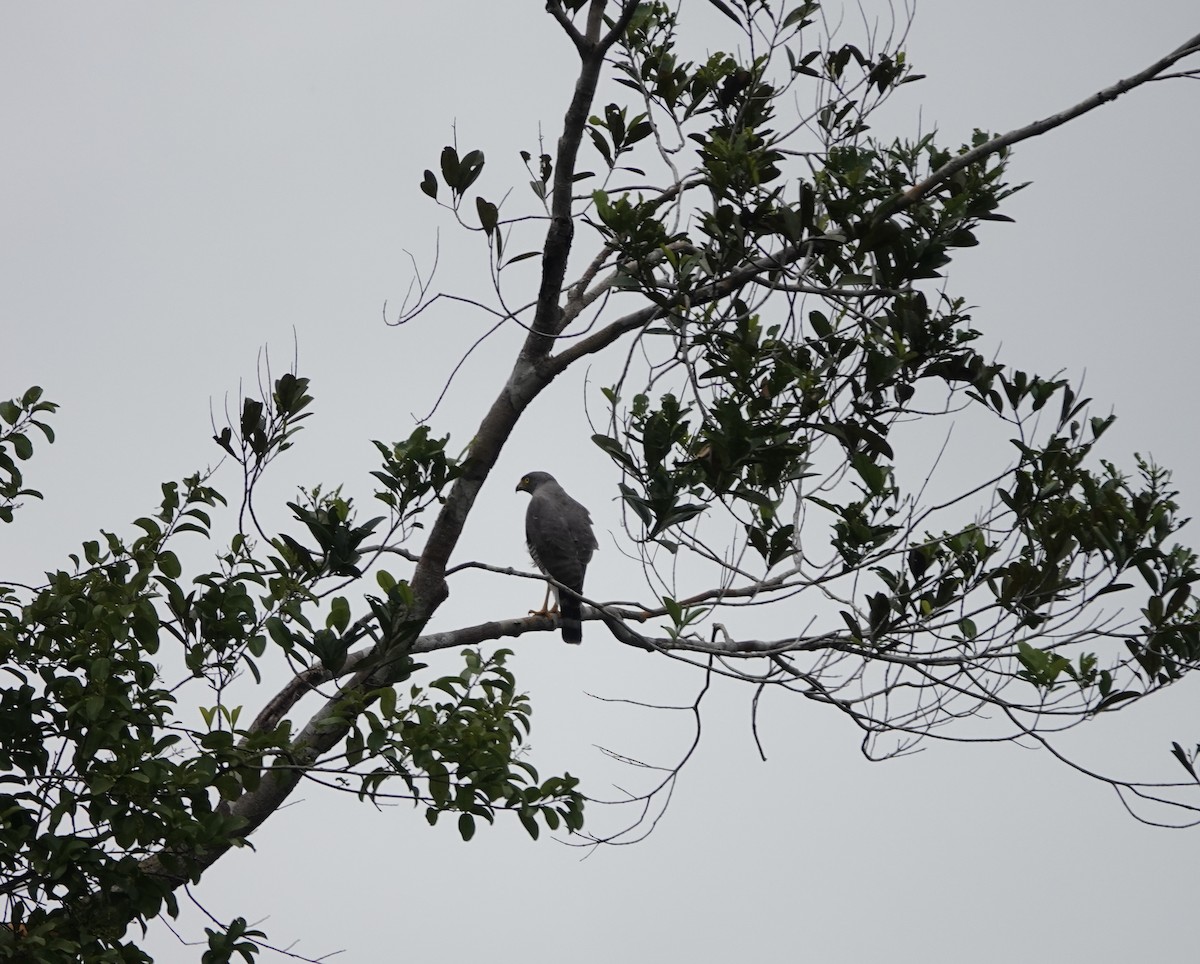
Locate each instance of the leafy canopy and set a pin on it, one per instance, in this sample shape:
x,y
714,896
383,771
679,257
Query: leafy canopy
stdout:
x,y
762,286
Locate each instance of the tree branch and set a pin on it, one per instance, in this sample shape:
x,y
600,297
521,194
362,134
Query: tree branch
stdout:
x,y
998,143
557,248
643,316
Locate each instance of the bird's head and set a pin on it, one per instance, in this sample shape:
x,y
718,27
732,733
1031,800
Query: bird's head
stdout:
x,y
531,481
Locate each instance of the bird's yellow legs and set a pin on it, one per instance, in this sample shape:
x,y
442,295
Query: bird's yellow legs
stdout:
x,y
546,610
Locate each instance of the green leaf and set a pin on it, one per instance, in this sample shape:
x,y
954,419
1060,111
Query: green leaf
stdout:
x,y
168,564
449,161
1114,698
529,822
339,614
1183,759
469,169
151,527
488,214
614,449
725,9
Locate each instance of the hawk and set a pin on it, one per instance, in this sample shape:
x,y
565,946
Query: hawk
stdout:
x,y
558,531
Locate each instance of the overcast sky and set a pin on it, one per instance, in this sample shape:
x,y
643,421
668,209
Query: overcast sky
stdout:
x,y
181,185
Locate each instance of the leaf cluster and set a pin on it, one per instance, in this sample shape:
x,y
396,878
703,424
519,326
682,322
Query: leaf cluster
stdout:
x,y
19,416
110,796
456,744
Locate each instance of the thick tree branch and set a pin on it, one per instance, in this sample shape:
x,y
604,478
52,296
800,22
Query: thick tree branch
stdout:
x,y
557,248
325,730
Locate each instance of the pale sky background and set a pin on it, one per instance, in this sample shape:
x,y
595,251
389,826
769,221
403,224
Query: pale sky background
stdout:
x,y
183,184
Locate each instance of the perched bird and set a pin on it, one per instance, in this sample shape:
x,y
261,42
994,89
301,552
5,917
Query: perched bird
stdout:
x,y
558,531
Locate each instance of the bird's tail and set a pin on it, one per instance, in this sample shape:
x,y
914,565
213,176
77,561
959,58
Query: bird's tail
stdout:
x,y
568,619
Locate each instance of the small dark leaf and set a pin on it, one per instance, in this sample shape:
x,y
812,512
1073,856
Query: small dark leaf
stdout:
x,y
450,168
488,214
917,563
469,170
223,438
1182,757
725,9
1113,698
252,410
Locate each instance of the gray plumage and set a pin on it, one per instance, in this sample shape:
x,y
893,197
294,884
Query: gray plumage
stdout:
x,y
558,531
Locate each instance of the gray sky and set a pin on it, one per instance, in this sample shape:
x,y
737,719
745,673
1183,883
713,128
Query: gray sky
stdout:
x,y
181,185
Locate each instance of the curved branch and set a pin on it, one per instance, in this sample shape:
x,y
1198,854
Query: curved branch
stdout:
x,y
998,143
